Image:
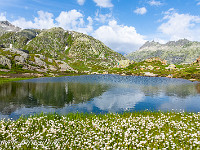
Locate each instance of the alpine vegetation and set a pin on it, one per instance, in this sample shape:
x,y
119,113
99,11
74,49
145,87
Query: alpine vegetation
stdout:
x,y
54,50
138,130
176,52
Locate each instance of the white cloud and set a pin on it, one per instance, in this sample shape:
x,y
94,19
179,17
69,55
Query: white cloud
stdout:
x,y
2,16
74,20
170,11
103,18
177,26
155,3
81,2
69,20
113,100
104,3
161,41
120,38
23,23
88,28
141,11
43,21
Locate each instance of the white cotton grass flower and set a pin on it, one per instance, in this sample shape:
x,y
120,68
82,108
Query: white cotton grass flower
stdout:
x,y
139,130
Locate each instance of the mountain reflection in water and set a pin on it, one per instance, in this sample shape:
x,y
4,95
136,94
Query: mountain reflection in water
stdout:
x,y
14,95
97,94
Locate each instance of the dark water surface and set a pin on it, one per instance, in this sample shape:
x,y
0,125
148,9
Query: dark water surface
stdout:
x,y
97,94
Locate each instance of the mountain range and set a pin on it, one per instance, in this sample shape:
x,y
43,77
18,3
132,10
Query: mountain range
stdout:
x,y
177,52
58,50
53,49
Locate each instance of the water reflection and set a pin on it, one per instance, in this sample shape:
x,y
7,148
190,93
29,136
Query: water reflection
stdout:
x,y
134,97
98,94
198,88
119,99
180,91
15,95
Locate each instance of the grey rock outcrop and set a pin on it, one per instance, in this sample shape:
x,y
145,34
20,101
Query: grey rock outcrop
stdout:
x,y
42,57
21,59
39,62
64,66
52,68
34,62
5,61
21,56
29,67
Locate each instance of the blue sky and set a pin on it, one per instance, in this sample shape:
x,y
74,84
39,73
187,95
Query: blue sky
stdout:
x,y
123,25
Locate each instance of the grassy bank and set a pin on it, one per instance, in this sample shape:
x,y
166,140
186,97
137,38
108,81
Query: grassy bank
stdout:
x,y
136,130
10,79
155,67
4,80
185,71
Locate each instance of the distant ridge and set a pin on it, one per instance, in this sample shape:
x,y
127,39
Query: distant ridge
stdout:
x,y
181,51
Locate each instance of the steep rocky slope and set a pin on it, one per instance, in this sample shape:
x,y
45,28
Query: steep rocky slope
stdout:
x,y
55,50
18,39
181,51
79,50
5,26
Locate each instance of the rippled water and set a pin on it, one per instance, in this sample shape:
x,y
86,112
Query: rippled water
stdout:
x,y
97,94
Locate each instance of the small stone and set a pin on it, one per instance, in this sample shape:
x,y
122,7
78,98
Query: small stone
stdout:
x,y
149,74
50,60
170,76
105,72
192,80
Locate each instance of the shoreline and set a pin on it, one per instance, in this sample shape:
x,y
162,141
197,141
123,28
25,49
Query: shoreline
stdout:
x,y
21,77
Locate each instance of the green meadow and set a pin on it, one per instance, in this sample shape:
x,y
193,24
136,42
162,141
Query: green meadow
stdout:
x,y
130,130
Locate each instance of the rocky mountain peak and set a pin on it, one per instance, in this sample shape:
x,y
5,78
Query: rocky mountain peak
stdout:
x,y
6,26
152,44
149,44
56,49
5,23
181,51
180,42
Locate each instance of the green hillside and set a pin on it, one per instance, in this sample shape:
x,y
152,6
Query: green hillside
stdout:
x,y
55,50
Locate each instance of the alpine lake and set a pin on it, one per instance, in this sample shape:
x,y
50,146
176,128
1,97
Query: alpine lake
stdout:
x,y
97,94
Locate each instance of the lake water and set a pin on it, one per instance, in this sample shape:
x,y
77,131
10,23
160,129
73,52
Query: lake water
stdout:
x,y
97,94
